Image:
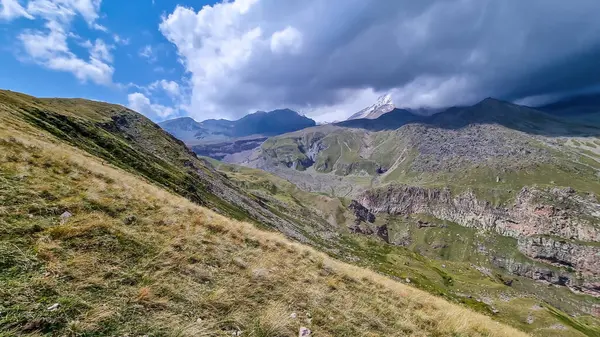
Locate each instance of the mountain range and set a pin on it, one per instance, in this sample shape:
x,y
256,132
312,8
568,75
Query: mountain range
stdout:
x,y
112,226
256,124
220,138
518,172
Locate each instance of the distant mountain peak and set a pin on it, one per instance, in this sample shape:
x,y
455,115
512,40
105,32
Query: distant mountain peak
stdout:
x,y
187,123
383,105
183,119
286,111
259,123
492,100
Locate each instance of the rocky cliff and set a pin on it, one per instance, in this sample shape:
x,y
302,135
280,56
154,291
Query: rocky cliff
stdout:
x,y
558,212
557,227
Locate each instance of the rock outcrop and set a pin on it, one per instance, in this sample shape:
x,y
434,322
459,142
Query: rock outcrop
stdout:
x,y
557,212
556,227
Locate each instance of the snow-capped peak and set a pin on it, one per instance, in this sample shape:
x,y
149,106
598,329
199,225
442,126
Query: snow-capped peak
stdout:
x,y
383,105
384,100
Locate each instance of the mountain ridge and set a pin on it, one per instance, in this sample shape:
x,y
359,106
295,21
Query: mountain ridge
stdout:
x,y
259,123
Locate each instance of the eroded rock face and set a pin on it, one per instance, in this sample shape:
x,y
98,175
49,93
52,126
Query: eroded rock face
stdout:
x,y
362,215
532,271
583,258
556,227
361,212
570,216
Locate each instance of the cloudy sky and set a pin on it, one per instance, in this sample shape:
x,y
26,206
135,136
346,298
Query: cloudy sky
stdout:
x,y
325,58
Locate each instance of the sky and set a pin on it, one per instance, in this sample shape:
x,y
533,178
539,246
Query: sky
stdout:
x,y
326,59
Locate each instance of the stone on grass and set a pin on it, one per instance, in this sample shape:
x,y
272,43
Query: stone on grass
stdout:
x,y
65,217
130,220
304,332
260,274
240,263
530,319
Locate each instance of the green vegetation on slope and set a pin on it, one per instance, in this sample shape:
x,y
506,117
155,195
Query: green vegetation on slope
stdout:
x,y
134,259
111,214
441,259
132,142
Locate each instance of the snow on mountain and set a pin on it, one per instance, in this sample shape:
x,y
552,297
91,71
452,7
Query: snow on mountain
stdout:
x,y
383,105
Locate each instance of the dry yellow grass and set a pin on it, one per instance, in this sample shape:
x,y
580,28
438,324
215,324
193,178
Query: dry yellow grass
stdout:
x,y
135,259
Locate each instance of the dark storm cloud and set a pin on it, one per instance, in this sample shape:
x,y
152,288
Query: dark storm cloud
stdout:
x,y
263,54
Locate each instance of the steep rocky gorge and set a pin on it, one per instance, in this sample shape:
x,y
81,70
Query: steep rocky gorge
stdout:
x,y
557,227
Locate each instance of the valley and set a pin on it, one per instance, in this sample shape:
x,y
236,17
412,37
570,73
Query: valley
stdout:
x,y
91,248
261,168
522,184
530,265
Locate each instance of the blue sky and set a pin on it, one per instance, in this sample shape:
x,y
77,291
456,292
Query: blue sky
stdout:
x,y
326,59
140,54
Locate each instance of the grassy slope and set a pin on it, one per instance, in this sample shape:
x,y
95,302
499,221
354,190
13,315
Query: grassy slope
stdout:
x,y
453,246
351,153
132,142
135,259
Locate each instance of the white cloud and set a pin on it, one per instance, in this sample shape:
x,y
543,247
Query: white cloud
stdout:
x,y
213,44
140,103
101,51
356,100
288,40
120,40
92,70
51,51
43,46
100,27
49,47
65,10
170,87
12,9
148,53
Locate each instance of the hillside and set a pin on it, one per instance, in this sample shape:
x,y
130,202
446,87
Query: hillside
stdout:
x,y
161,279
516,184
491,136
486,270
132,142
90,248
136,259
